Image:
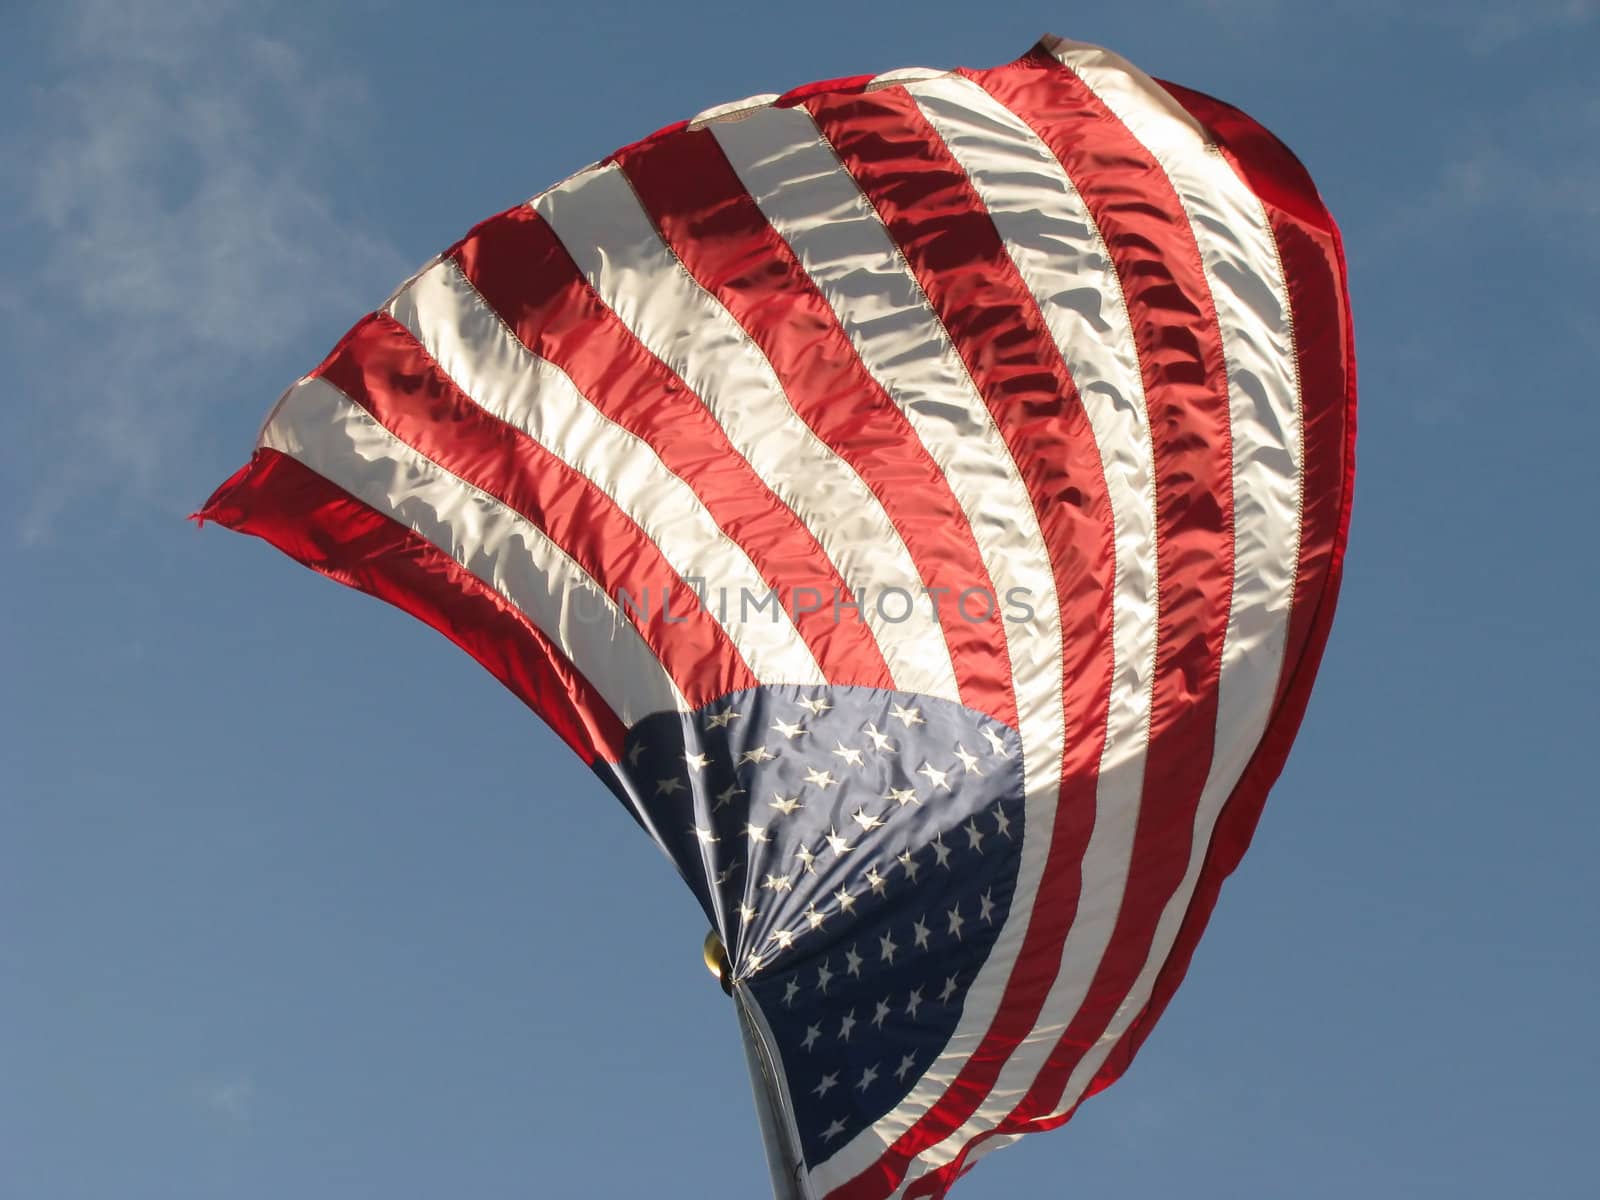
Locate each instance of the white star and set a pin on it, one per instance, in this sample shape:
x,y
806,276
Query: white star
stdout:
x,y
726,795
866,820
789,731
756,833
665,787
911,865
935,776
816,707
759,755
790,991
880,740
696,761
852,962
880,1013
807,858
956,922
839,845
845,899
847,1024
948,990
722,719
821,778
727,873
746,913
776,883
985,908
813,1032
920,932
867,1077
828,1082
813,916
752,963
996,742
784,938
969,761
785,804
705,835
974,834
1003,821
887,946
877,882
903,796
853,757
824,977
905,1065
941,852
906,716
912,1002
833,1130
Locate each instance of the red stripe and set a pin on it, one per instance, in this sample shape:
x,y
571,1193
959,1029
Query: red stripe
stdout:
x,y
1313,261
939,223
721,236
277,498
381,367
1147,231
522,270
1313,265
845,85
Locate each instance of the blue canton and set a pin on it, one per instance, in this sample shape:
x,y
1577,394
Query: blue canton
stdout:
x,y
857,850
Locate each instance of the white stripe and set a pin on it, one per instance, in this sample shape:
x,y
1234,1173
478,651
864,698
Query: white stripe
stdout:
x,y
470,342
602,225
323,429
817,208
1053,241
1242,269
903,75
731,110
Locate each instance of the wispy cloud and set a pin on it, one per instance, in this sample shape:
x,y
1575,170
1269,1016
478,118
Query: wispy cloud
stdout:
x,y
233,1098
1506,220
1481,27
1533,165
1486,28
179,226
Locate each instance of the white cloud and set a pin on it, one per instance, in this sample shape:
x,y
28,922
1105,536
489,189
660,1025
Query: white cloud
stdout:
x,y
1532,167
1507,194
1490,27
231,1098
1483,27
179,225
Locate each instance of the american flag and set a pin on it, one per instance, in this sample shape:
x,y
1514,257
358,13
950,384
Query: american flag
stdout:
x,y
921,497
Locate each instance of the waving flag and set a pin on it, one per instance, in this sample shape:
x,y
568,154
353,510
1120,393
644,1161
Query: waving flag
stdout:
x,y
921,498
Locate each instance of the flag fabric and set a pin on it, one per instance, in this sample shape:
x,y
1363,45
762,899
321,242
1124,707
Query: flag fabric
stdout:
x,y
921,498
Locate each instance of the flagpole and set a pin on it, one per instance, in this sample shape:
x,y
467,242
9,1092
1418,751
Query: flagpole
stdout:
x,y
777,1123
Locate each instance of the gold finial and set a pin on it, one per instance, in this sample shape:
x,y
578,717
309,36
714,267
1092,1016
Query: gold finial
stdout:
x,y
716,959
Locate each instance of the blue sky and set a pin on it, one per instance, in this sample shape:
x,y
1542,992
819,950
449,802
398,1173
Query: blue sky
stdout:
x,y
296,901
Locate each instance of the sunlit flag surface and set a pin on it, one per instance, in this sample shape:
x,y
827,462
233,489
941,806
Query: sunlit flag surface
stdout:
x,y
921,499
